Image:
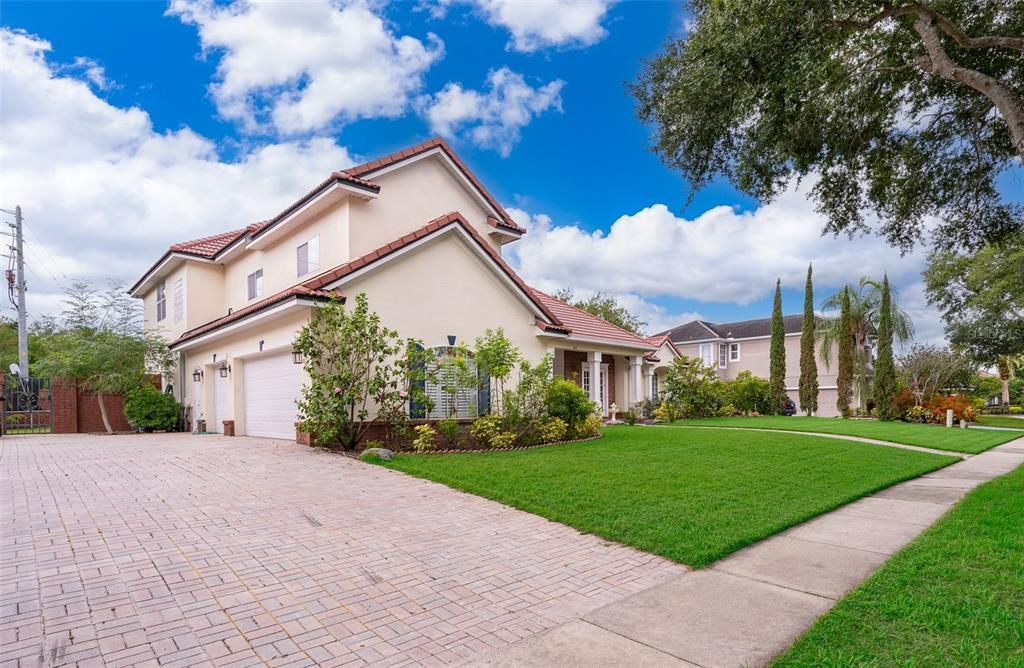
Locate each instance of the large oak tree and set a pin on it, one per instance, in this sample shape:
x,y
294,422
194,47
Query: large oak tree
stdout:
x,y
901,111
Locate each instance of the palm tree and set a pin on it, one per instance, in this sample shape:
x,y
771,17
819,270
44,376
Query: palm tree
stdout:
x,y
865,313
1008,366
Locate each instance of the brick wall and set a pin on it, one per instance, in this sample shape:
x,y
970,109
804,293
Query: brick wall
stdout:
x,y
76,411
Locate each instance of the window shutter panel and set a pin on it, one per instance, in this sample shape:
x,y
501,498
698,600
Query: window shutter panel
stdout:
x,y
483,396
416,409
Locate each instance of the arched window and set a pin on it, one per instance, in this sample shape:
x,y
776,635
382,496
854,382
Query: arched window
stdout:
x,y
455,386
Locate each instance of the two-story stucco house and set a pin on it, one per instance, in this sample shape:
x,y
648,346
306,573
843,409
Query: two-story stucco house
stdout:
x,y
421,236
732,347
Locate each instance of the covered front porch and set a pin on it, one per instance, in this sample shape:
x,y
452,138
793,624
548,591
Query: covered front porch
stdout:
x,y
613,378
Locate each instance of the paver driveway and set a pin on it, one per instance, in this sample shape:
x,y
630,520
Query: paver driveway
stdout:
x,y
188,550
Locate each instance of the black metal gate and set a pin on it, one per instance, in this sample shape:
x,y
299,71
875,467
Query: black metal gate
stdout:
x,y
27,406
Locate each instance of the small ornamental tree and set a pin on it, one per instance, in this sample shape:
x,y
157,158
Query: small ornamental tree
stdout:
x,y
497,357
354,363
885,366
747,392
777,356
808,367
844,341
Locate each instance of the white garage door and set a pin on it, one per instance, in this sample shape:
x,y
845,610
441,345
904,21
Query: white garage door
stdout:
x,y
220,403
271,386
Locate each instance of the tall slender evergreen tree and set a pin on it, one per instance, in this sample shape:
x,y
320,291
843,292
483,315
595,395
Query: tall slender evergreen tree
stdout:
x,y
885,366
808,365
777,356
844,377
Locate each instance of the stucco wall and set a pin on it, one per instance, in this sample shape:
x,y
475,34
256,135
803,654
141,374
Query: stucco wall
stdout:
x,y
279,262
410,198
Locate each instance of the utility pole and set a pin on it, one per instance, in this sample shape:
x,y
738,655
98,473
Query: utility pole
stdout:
x,y
19,244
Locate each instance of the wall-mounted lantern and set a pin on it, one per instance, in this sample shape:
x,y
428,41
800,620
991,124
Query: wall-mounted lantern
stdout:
x,y
296,356
451,339
225,369
197,375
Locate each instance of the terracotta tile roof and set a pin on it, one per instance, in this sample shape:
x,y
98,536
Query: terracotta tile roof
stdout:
x,y
368,168
585,325
255,307
208,247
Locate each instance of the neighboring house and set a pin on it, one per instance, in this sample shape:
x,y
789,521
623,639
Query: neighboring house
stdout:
x,y
732,347
421,236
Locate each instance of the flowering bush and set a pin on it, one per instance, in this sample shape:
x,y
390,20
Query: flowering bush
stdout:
x,y
503,440
666,412
424,440
589,428
485,429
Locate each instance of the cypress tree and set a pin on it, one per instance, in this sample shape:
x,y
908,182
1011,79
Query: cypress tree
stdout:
x,y
885,367
844,378
808,367
777,356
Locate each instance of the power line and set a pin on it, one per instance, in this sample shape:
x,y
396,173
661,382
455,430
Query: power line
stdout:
x,y
47,252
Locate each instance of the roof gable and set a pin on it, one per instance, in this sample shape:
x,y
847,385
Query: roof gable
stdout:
x,y
584,325
699,330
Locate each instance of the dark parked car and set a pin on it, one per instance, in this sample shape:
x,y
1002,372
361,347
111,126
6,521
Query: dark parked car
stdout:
x,y
788,407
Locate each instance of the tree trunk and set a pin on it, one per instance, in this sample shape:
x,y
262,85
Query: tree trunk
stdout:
x,y
938,62
103,413
1006,390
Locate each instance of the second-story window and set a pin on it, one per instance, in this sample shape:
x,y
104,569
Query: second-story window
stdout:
x,y
255,281
179,299
734,352
161,301
308,257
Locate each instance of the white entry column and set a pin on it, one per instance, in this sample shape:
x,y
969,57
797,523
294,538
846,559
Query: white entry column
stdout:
x,y
594,359
636,376
650,383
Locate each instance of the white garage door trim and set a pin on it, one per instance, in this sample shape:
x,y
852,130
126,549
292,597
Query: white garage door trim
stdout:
x,y
270,388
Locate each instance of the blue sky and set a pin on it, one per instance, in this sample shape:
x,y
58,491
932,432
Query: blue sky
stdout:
x,y
170,140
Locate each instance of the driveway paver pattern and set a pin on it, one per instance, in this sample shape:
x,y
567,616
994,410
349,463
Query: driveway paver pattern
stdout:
x,y
177,550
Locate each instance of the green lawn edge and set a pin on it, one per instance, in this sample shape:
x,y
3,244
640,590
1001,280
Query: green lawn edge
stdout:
x,y
924,463
935,437
953,597
1001,421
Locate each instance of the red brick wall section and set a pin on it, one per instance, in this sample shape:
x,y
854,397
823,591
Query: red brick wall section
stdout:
x,y
76,411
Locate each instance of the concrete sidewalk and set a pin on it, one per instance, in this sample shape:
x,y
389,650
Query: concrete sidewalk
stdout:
x,y
749,607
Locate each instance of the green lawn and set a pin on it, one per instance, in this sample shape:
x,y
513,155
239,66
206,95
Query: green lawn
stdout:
x,y
1001,421
953,597
926,435
692,495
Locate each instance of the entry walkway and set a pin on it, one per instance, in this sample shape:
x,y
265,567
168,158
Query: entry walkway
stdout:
x,y
751,606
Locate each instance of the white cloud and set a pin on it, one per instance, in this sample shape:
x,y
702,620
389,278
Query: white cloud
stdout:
x,y
104,194
494,118
300,67
540,24
721,256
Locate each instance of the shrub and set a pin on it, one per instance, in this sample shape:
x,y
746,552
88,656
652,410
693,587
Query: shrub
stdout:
x,y
693,388
486,428
147,408
1017,410
919,414
503,440
629,417
370,445
553,429
424,440
747,392
962,409
904,401
588,428
645,409
567,401
449,430
666,412
727,410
